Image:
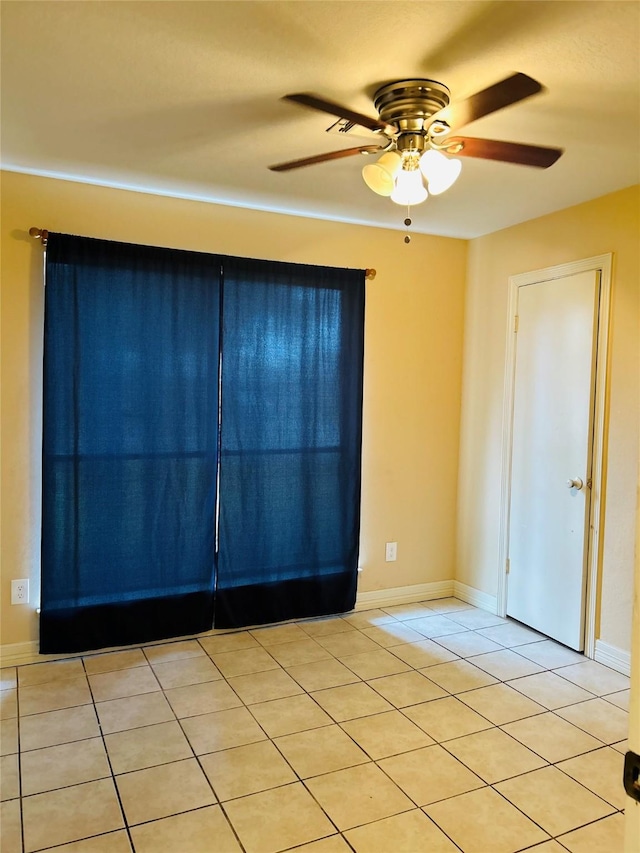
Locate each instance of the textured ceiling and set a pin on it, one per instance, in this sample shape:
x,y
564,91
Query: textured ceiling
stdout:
x,y
183,98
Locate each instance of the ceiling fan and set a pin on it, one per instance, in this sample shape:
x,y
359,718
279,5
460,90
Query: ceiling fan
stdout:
x,y
415,121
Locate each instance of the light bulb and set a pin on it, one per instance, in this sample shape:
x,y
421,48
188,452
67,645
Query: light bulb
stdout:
x,y
380,176
441,172
409,188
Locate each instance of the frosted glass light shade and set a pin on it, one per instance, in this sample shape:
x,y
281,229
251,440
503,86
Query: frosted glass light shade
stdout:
x,y
441,172
409,188
380,176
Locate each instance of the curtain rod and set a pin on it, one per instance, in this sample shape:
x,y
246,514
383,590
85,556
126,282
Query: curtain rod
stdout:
x,y
43,235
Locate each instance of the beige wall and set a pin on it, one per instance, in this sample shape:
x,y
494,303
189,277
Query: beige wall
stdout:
x,y
608,224
413,363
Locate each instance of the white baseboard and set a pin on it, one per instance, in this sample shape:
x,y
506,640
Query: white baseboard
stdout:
x,y
613,657
403,595
475,596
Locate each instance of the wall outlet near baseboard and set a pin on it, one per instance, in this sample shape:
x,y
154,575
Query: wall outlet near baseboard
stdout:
x,y
20,591
391,552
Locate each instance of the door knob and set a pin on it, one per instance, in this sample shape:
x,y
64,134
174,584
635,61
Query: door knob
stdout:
x,y
575,484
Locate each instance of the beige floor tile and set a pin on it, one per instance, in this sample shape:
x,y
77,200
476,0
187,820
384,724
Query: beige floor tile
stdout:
x,y
322,674
326,627
233,642
551,737
8,736
407,688
11,826
124,682
68,814
263,686
601,772
386,734
9,778
222,730
550,654
501,704
8,704
408,832
423,653
621,747
482,821
604,835
547,847
351,643
476,618
41,673
430,774
273,635
369,618
407,612
374,664
292,714
332,844
202,698
468,643
494,755
113,842
445,719
550,690
392,634
619,699
594,677
511,634
448,605
63,765
244,661
246,770
320,751
54,695
8,678
358,795
181,673
164,652
299,652
112,661
553,800
54,727
459,676
192,832
505,664
277,819
599,718
351,701
163,791
137,749
436,626
116,715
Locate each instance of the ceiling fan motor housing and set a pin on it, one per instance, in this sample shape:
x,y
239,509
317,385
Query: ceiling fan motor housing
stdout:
x,y
409,104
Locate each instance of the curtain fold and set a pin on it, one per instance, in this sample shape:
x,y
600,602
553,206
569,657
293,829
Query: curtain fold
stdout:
x,y
291,435
130,437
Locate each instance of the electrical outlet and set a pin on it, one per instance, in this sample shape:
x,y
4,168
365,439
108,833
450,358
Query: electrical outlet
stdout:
x,y
20,591
391,552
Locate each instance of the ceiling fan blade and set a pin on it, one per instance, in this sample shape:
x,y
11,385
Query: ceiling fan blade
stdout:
x,y
507,152
323,158
315,102
503,94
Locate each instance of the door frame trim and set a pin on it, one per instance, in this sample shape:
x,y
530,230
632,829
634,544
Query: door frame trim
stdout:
x,y
603,264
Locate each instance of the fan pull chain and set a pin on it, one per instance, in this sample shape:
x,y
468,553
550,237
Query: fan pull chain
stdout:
x,y
407,222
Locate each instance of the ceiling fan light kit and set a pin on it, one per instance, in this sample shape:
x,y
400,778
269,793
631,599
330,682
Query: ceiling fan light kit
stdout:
x,y
416,118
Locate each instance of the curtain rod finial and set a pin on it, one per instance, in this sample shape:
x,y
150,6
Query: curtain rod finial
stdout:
x,y
39,234
370,274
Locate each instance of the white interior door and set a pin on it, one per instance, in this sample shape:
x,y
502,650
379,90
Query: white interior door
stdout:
x,y
551,455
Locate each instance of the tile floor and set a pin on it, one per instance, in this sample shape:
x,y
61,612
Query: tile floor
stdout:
x,y
425,727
